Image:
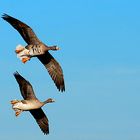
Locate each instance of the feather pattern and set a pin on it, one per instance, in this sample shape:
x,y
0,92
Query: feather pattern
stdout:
x,y
25,31
54,70
28,94
41,119
40,50
25,87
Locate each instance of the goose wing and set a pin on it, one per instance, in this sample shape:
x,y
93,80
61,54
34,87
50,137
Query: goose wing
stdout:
x,y
41,120
54,69
25,87
25,31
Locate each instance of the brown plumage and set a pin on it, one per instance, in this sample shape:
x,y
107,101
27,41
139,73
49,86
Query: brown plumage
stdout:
x,y
31,103
39,50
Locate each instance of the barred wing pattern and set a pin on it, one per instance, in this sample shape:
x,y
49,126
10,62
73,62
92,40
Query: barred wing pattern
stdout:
x,y
54,70
41,119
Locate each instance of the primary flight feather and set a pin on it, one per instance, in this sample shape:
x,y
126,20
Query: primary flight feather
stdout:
x,y
30,103
36,48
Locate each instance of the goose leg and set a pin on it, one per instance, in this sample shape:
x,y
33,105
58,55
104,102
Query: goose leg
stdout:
x,y
25,59
19,49
14,102
22,53
17,112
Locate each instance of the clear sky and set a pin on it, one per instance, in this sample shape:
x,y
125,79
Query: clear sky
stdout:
x,y
100,57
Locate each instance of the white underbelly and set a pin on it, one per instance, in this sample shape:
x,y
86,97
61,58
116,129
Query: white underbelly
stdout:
x,y
23,106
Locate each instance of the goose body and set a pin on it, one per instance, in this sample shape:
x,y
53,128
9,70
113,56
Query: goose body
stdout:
x,y
36,48
26,105
30,103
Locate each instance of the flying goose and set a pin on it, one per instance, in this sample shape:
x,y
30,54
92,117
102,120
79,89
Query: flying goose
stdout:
x,y
30,103
36,48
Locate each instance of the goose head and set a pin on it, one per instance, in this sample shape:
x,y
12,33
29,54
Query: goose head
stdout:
x,y
50,100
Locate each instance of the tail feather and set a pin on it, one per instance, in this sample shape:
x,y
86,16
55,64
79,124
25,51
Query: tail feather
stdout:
x,y
22,53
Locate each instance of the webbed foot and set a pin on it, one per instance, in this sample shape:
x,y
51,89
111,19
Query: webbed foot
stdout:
x,y
18,112
14,102
25,59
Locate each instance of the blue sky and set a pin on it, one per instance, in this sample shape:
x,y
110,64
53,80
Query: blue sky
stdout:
x,y
100,46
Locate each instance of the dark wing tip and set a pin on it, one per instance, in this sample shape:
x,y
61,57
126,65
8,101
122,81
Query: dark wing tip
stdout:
x,y
41,120
59,80
43,124
44,128
16,73
5,16
46,131
61,87
19,78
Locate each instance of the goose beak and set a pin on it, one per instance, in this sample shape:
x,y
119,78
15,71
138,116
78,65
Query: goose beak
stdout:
x,y
53,100
57,48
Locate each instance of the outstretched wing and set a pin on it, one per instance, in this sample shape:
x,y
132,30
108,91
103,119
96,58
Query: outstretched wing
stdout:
x,y
25,87
25,31
54,70
41,119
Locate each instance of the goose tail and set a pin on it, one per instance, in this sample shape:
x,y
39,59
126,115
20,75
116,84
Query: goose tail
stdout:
x,y
22,53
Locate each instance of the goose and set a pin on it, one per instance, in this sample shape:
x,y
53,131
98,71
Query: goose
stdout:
x,y
35,48
30,103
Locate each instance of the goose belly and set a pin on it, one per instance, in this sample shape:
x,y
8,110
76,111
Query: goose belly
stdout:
x,y
23,106
35,50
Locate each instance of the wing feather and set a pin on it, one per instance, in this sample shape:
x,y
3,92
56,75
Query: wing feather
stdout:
x,y
25,87
25,31
41,120
54,69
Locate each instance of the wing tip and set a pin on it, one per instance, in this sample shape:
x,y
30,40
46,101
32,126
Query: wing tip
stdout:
x,y
5,16
45,129
18,77
61,88
46,132
16,73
